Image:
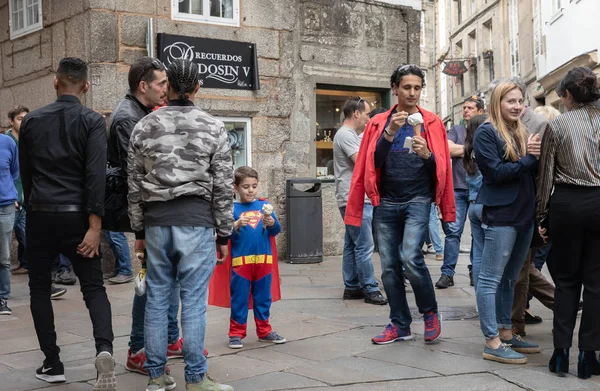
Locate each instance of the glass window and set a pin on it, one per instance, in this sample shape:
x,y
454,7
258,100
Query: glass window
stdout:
x,y
224,12
239,140
330,117
513,37
25,17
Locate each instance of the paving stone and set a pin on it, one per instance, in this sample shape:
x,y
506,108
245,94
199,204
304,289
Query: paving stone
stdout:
x,y
350,370
541,379
275,381
270,356
234,367
23,344
477,382
435,361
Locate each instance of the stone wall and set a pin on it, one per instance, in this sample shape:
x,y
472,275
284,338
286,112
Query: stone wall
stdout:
x,y
299,43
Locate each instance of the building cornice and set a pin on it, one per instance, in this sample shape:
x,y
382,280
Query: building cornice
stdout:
x,y
550,80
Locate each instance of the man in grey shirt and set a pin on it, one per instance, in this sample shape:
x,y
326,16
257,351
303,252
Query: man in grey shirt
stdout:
x,y
357,264
456,138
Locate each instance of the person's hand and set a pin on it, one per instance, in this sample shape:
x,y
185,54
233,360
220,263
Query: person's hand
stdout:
x,y
89,247
420,147
140,246
397,121
241,222
268,221
542,232
17,206
534,145
223,250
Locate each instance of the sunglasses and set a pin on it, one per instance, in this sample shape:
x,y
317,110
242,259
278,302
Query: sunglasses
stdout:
x,y
155,65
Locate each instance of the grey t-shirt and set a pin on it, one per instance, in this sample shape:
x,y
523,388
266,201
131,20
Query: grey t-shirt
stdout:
x,y
345,144
457,134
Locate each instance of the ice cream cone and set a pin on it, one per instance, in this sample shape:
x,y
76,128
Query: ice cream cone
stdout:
x,y
417,129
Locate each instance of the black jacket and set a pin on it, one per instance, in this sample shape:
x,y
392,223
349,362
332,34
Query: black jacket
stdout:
x,y
501,177
123,119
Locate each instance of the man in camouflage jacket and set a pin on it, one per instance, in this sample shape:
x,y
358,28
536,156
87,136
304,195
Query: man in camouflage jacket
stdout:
x,y
180,179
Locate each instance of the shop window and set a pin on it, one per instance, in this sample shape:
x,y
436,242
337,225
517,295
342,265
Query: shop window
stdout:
x,y
239,140
224,12
330,117
25,17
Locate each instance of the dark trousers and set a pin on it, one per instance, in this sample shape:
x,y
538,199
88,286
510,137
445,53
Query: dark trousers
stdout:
x,y
50,234
575,233
530,281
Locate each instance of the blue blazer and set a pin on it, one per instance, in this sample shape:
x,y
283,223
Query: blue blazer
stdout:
x,y
501,177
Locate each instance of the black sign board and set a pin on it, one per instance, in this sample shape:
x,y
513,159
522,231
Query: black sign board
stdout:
x,y
223,64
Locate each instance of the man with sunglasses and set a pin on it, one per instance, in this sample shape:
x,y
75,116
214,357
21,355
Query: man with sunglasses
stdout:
x,y
147,89
357,264
472,106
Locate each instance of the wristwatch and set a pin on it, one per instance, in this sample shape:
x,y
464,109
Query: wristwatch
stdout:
x,y
387,131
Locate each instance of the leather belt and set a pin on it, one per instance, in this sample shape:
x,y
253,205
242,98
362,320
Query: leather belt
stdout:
x,y
56,208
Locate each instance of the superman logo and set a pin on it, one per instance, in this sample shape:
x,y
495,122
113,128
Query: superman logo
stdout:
x,y
255,217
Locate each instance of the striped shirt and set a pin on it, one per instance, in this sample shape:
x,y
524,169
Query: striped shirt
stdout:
x,y
570,153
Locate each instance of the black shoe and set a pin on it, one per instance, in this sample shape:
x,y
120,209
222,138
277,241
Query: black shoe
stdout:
x,y
559,363
55,292
471,282
353,294
375,298
51,374
444,282
65,277
532,319
4,308
587,365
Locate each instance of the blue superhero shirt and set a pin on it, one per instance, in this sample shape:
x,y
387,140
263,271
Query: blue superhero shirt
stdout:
x,y
252,243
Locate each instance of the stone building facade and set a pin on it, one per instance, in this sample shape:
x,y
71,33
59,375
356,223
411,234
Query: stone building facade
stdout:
x,y
311,54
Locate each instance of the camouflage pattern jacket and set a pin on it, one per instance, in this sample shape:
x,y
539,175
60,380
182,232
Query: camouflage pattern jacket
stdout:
x,y
180,151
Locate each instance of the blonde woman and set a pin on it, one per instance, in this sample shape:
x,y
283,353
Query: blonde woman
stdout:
x,y
547,111
508,162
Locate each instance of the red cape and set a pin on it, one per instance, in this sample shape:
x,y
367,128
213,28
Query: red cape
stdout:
x,y
219,287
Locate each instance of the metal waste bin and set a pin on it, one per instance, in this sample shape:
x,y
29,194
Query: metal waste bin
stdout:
x,y
304,220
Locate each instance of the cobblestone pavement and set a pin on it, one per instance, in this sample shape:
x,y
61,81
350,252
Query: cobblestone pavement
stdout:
x,y
329,344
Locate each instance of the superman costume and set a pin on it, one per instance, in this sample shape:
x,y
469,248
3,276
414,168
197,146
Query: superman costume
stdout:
x,y
250,272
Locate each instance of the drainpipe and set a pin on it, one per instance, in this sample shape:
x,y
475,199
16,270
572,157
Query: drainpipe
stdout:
x,y
150,38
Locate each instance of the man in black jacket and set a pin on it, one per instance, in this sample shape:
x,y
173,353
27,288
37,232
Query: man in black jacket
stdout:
x,y
147,84
62,152
147,89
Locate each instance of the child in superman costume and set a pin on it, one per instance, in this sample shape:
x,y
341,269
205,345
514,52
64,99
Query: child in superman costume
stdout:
x,y
251,271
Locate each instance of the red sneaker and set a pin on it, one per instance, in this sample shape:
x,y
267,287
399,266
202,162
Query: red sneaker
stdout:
x,y
135,363
175,350
433,326
390,334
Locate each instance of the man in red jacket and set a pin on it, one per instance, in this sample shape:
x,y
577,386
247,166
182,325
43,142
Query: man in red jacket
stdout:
x,y
403,165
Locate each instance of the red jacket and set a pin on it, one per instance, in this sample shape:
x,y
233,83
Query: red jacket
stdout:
x,y
365,178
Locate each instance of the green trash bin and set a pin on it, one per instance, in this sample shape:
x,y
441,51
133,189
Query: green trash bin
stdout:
x,y
304,220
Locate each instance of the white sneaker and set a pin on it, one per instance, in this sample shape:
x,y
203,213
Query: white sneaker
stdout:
x,y
140,282
105,366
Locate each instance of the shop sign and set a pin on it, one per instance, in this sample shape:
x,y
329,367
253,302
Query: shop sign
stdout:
x,y
222,64
455,68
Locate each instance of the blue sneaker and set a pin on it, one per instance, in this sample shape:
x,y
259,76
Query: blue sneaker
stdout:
x,y
518,345
504,354
433,327
392,333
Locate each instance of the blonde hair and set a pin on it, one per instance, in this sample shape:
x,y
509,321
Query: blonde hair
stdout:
x,y
514,134
547,111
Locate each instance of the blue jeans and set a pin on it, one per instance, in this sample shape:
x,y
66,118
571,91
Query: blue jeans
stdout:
x,y
541,256
188,254
400,227
138,314
19,228
7,221
61,263
433,233
357,262
454,231
120,247
504,251
477,240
